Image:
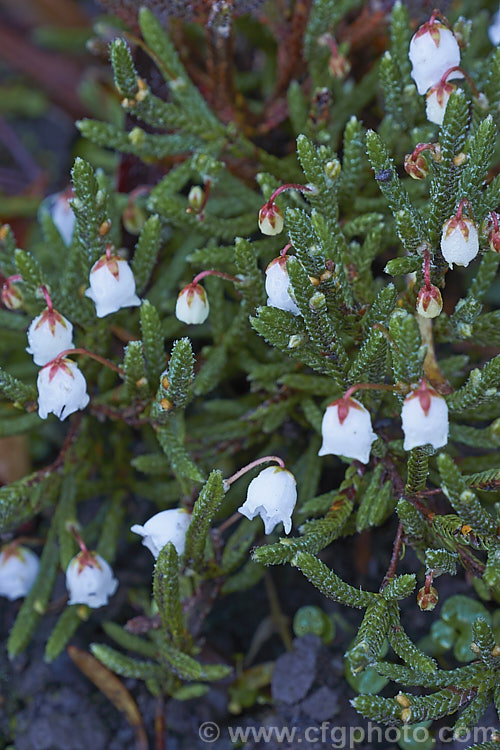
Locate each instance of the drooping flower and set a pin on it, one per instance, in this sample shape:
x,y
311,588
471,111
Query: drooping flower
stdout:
x,y
62,389
278,286
49,334
112,285
18,571
437,101
62,213
416,166
347,430
192,305
272,496
166,526
490,228
425,418
459,241
90,580
11,295
433,51
429,302
271,220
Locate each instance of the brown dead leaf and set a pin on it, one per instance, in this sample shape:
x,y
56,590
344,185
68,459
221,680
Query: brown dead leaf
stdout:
x,y
114,690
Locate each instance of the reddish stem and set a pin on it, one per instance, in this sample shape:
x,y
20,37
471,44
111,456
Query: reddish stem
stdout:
x,y
285,249
464,202
465,75
220,274
250,466
79,540
493,215
48,299
437,15
288,186
11,279
428,582
97,357
396,549
109,254
370,387
427,268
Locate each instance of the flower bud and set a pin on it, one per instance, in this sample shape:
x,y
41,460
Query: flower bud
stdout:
x,y
166,526
427,601
11,295
89,580
62,389
429,302
425,418
112,285
62,213
491,227
49,334
339,66
278,286
195,198
437,101
416,166
433,51
192,305
347,430
271,219
18,571
459,241
272,496
134,217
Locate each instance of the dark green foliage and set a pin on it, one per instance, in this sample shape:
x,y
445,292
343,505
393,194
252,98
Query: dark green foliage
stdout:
x,y
205,508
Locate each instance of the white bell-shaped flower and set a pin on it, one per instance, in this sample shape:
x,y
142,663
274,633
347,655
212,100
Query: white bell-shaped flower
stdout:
x,y
459,241
192,305
437,101
494,29
347,430
90,580
112,285
18,571
433,51
166,526
49,334
271,219
62,214
425,418
272,496
62,389
278,286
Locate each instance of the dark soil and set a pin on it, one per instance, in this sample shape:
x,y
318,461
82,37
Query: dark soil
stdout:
x,y
54,707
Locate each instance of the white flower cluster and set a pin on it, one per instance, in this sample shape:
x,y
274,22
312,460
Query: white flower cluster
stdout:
x,y
347,428
62,388
435,56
